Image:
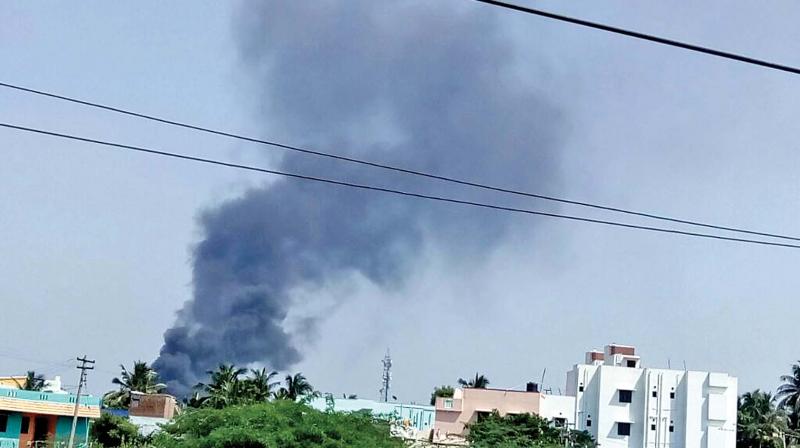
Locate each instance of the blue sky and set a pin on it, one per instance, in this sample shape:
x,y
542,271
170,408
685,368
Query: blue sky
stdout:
x,y
96,245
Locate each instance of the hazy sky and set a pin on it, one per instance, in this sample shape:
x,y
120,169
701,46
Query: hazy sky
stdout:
x,y
96,246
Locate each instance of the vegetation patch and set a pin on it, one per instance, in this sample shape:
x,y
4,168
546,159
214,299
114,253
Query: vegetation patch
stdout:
x,y
275,424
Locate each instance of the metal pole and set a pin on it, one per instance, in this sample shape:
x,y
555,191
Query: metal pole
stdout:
x,y
85,364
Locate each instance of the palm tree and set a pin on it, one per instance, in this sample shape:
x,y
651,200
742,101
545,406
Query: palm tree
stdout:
x,y
788,395
297,386
142,378
479,382
32,381
761,424
225,388
194,400
260,385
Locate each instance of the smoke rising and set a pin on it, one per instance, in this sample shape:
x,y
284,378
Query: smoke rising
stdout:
x,y
419,84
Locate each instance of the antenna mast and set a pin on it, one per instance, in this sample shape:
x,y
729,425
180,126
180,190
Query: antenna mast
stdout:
x,y
387,376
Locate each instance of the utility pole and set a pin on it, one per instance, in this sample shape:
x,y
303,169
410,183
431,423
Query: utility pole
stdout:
x,y
85,364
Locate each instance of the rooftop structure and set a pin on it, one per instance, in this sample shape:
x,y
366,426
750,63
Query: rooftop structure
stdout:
x,y
148,411
27,417
161,406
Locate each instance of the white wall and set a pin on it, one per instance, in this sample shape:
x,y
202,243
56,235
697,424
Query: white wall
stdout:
x,y
557,406
702,412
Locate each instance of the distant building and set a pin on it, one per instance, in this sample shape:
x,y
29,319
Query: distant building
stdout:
x,y
148,411
622,403
618,401
468,405
38,418
419,417
152,405
12,382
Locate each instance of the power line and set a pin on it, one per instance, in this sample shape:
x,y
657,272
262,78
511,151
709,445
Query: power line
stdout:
x,y
643,36
391,167
45,367
390,190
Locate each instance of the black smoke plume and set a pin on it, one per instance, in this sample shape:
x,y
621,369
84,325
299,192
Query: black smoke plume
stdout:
x,y
421,84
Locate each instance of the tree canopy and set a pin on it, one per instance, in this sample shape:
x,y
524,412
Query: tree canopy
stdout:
x,y
441,391
110,431
33,381
296,386
142,378
232,386
478,382
279,423
522,430
761,424
788,396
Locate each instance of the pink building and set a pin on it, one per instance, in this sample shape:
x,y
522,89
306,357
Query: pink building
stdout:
x,y
468,404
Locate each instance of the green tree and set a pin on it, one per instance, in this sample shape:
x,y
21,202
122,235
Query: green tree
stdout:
x,y
479,382
195,400
279,423
788,396
225,388
32,381
142,378
761,424
295,387
110,431
228,386
521,430
260,385
441,391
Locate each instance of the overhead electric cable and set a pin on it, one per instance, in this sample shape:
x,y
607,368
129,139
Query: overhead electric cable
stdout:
x,y
389,190
643,36
393,168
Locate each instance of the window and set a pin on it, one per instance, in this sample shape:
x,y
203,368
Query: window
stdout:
x,y
655,394
631,363
559,422
672,395
580,388
3,422
448,403
26,425
652,426
623,429
625,396
671,428
588,423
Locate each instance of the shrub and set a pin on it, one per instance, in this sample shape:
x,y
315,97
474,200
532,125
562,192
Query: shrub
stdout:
x,y
277,424
111,431
521,430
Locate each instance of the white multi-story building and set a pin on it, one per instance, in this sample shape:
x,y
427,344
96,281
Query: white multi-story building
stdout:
x,y
623,404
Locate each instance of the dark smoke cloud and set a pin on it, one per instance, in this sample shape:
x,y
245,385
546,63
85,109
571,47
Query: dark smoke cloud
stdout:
x,y
416,83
